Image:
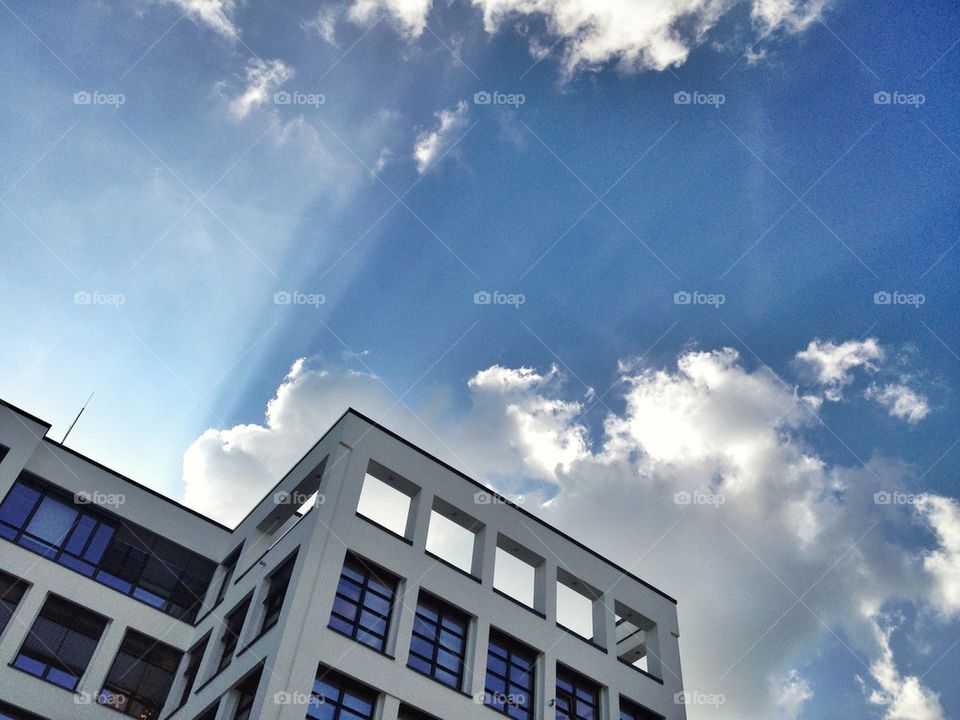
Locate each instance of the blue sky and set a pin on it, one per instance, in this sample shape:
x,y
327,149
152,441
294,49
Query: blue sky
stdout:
x,y
147,233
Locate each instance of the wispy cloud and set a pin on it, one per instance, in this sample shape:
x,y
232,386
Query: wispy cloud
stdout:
x,y
433,144
262,79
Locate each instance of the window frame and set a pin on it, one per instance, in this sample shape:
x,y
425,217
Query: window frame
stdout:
x,y
368,572
132,696
444,612
578,683
511,648
78,615
276,593
230,640
344,685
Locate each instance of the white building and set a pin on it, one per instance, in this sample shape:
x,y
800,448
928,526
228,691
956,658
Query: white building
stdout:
x,y
373,581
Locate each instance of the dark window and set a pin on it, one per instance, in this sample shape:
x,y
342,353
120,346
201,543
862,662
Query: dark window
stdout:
x,y
11,592
439,641
91,541
631,711
193,668
577,697
511,671
231,632
210,713
363,604
140,677
337,698
3,452
409,713
273,603
248,694
229,565
9,712
61,642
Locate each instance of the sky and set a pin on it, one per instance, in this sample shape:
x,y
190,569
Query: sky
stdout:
x,y
674,274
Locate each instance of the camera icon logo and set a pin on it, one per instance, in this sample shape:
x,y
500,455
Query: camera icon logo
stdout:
x,y
482,98
682,97
82,97
681,498
282,297
682,298
281,97
82,298
881,98
482,498
882,498
482,298
882,298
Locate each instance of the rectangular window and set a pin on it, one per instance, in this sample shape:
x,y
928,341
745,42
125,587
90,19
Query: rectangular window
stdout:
x,y
193,668
247,690
577,697
210,713
85,538
364,603
335,697
231,633
511,673
229,565
3,452
61,642
439,643
9,712
140,677
386,498
631,711
11,592
273,603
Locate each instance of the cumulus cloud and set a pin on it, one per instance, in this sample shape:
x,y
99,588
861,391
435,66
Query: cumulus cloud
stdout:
x,y
215,14
262,78
804,535
634,36
905,698
433,145
900,401
832,365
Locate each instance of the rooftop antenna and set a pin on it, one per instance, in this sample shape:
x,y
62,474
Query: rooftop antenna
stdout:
x,y
75,419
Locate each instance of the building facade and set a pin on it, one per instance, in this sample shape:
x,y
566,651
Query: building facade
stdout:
x,y
373,582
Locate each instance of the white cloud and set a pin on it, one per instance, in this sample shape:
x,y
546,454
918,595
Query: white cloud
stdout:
x,y
792,695
409,15
831,364
943,563
905,698
433,145
791,524
635,36
900,401
262,79
213,13
324,23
